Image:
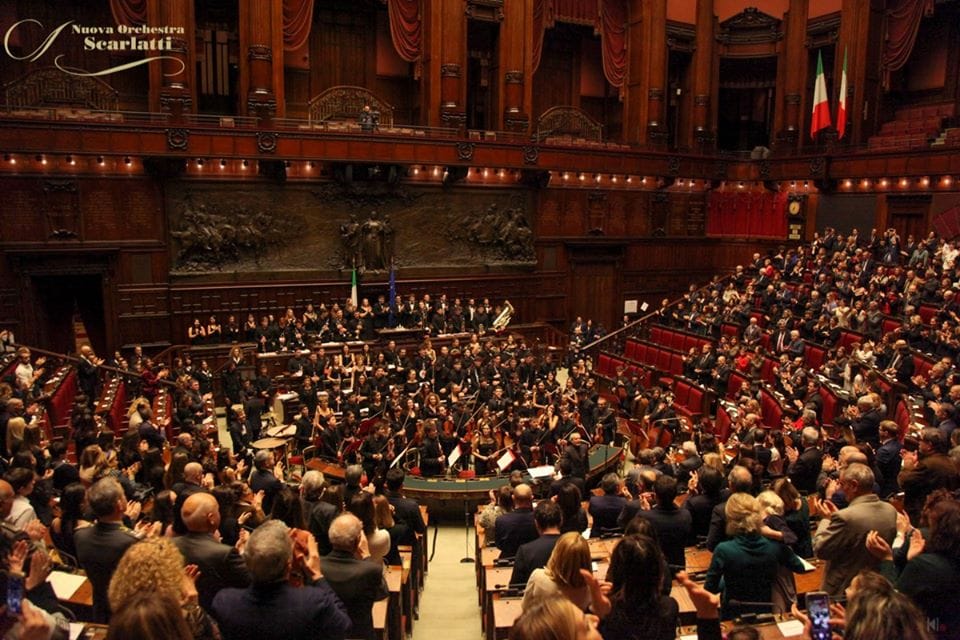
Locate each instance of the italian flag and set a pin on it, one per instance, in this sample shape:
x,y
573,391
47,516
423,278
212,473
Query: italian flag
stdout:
x,y
821,109
353,286
842,109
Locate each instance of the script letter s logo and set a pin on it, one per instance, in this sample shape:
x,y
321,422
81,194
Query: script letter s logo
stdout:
x,y
36,54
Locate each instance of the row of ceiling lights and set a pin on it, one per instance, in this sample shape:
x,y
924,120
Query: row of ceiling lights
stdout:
x,y
564,176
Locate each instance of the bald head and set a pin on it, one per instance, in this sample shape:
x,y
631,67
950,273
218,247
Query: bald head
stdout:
x,y
522,495
201,513
193,472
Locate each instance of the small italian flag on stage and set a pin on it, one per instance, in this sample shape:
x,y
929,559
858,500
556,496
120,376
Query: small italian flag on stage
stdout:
x,y
353,286
821,109
842,108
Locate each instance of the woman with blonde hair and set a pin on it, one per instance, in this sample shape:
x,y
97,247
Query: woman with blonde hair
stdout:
x,y
747,563
15,430
156,566
383,516
555,618
568,573
775,527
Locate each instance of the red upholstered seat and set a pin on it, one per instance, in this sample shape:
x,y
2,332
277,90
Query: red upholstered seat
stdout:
x,y
766,371
676,364
656,335
771,410
695,400
722,424
814,356
890,325
847,338
903,419
830,402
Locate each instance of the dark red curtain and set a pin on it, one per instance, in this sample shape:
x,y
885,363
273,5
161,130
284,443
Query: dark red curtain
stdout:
x,y
405,28
129,13
543,19
297,19
576,11
903,23
612,25
747,214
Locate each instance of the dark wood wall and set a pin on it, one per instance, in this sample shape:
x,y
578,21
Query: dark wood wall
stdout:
x,y
594,249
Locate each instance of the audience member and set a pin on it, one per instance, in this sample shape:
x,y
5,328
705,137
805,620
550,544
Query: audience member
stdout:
x,y
353,575
271,609
841,533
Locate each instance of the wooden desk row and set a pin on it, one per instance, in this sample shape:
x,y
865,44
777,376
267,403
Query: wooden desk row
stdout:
x,y
498,611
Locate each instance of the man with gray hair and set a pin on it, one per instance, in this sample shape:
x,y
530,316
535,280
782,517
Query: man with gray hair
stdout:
x,y
317,513
272,609
842,533
267,476
357,581
805,467
100,547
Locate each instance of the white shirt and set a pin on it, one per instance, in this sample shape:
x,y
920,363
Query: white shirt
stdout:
x,y
20,513
24,373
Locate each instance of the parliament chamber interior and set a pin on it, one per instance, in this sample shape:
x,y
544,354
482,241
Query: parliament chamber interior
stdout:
x,y
527,319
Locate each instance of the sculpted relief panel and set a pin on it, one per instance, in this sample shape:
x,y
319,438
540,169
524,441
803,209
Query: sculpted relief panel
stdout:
x,y
332,227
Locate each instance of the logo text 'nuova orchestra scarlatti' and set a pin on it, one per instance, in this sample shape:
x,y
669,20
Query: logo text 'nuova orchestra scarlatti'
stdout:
x,y
97,38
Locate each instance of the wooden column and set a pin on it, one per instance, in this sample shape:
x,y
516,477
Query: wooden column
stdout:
x,y
703,134
261,58
861,34
171,81
445,63
634,90
653,129
516,91
794,61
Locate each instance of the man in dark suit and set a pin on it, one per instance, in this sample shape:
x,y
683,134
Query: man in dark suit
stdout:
x,y
64,473
88,374
266,477
888,458
900,367
405,510
153,435
100,547
534,554
674,526
577,453
805,467
606,508
691,462
272,609
220,564
925,470
317,513
192,483
356,581
239,431
864,420
518,526
780,340
566,477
